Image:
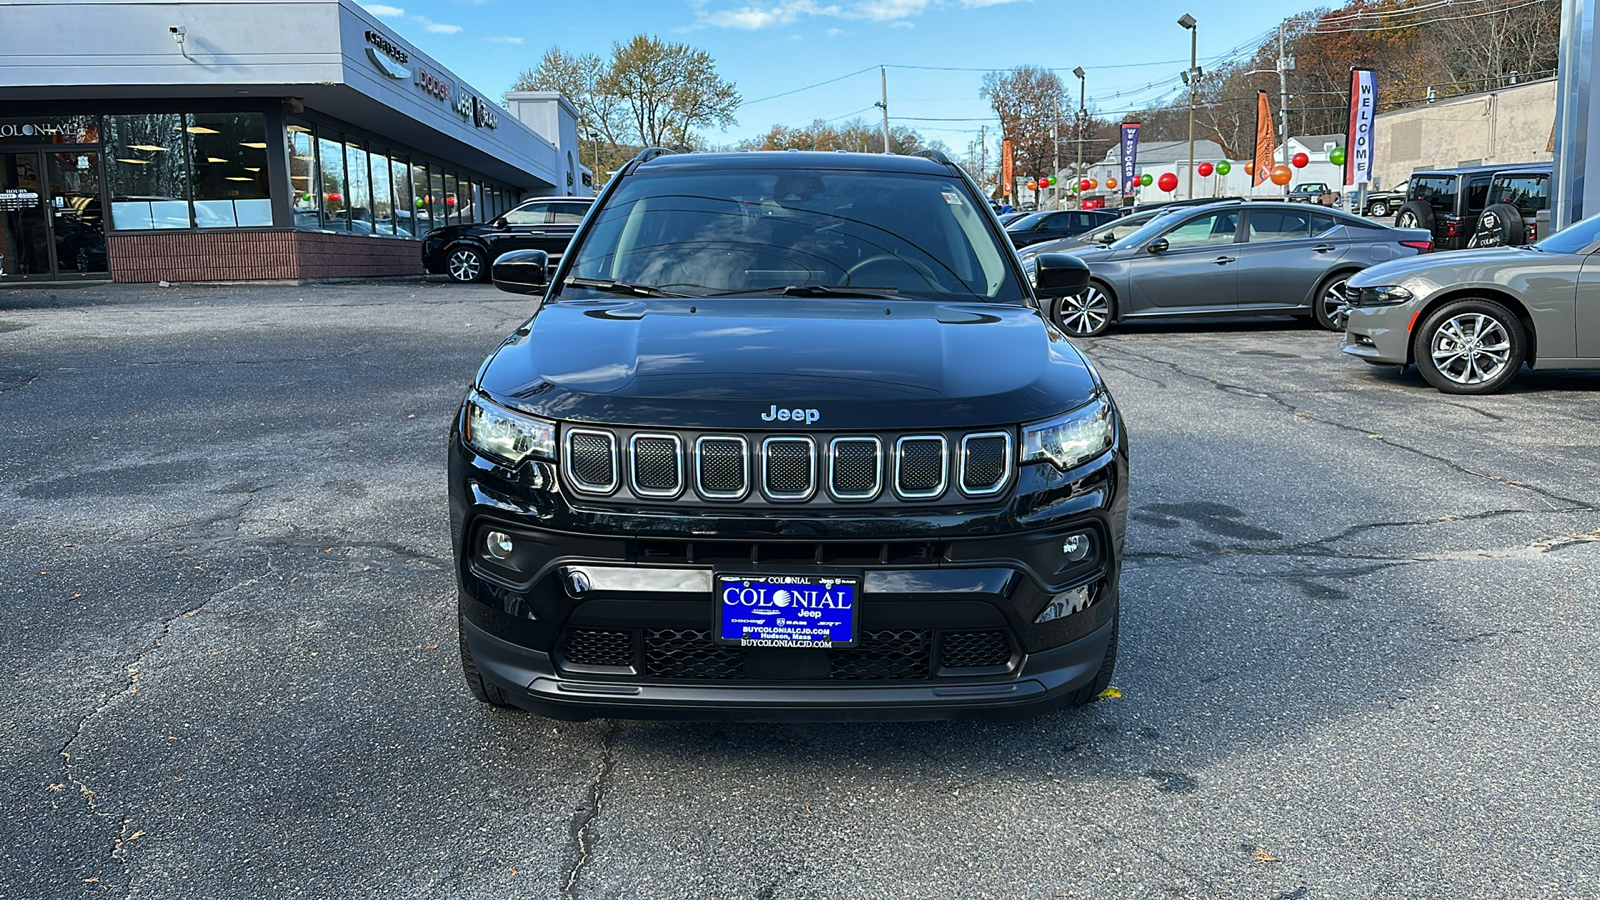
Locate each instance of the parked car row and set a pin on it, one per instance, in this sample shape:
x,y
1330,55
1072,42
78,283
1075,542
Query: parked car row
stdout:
x,y
465,252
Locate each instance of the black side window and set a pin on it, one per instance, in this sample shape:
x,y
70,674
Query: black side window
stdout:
x,y
1322,224
1438,191
567,213
1478,193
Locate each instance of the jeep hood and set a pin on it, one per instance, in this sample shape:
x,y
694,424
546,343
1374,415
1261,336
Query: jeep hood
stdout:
x,y
723,363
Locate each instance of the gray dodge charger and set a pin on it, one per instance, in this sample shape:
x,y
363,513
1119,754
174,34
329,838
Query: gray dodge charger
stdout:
x,y
1469,320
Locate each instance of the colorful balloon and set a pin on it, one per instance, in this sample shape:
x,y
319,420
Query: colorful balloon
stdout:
x,y
1094,183
1250,167
1336,156
1111,184
1300,160
1281,174
335,197
1168,182
1205,169
1224,167
1145,180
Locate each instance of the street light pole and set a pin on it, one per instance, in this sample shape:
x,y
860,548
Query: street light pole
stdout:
x,y
1193,77
1082,111
885,105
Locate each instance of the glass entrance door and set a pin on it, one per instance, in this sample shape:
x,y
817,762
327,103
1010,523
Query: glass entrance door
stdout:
x,y
77,216
24,222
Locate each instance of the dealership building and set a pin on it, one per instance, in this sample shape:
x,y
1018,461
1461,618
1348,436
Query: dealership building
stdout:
x,y
224,140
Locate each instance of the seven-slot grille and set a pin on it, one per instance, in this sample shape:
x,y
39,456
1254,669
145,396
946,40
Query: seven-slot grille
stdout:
x,y
786,468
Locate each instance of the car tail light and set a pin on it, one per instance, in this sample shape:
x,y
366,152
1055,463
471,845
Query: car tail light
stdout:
x,y
1533,233
1452,229
1419,246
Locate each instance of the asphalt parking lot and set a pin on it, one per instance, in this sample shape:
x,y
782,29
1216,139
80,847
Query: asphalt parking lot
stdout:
x,y
1359,650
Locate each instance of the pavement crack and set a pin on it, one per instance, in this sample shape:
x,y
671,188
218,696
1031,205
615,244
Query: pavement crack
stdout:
x,y
119,843
591,810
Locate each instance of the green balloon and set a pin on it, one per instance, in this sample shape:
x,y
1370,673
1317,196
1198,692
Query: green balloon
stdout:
x,y
1224,167
1336,156
1146,179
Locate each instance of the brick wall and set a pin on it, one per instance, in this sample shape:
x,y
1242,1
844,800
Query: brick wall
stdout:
x,y
257,256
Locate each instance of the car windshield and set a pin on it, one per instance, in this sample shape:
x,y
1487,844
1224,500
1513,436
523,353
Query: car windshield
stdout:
x,y
1573,238
906,235
1026,222
1117,228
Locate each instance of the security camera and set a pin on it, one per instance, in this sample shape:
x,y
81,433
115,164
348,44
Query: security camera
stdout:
x,y
178,31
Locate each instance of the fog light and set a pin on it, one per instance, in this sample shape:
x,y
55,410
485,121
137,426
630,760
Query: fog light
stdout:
x,y
1076,547
498,545
1065,604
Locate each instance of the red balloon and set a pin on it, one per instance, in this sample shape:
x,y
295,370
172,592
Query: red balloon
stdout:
x,y
1300,160
1204,169
1085,184
335,197
1168,182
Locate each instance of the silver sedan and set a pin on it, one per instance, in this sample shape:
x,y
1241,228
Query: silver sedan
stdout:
x,y
1469,320
1233,258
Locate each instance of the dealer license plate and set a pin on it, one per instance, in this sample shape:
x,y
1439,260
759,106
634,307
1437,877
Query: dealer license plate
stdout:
x,y
787,610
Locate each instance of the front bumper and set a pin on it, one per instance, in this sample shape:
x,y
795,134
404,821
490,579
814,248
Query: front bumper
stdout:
x,y
1379,334
932,580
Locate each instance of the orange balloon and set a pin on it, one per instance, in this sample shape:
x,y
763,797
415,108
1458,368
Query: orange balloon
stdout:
x,y
1281,175
1093,183
1111,184
1033,185
1250,167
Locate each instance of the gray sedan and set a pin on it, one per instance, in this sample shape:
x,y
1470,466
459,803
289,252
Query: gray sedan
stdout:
x,y
1233,258
1472,318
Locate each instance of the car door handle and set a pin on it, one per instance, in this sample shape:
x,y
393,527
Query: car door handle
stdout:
x,y
1224,260
1323,248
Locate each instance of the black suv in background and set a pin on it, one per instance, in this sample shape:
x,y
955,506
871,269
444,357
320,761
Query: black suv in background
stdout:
x,y
1454,204
464,252
789,437
1050,226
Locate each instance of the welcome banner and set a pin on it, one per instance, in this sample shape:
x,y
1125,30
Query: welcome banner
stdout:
x,y
1358,140
1265,144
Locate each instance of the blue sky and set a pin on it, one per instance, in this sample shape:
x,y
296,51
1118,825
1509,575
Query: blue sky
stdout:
x,y
1132,52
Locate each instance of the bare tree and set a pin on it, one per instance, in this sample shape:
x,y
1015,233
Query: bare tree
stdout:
x,y
669,90
1030,102
602,123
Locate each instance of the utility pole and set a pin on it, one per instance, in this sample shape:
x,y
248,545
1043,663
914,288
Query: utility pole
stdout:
x,y
884,105
1055,134
1082,113
1193,77
983,154
1285,64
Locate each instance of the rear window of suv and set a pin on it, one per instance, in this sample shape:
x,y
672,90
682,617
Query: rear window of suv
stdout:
x,y
1438,191
1528,193
923,236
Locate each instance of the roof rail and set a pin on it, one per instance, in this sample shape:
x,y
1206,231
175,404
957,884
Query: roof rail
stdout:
x,y
650,153
935,155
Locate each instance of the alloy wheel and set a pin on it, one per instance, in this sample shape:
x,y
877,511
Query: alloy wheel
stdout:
x,y
1470,348
1380,209
1406,219
1086,313
1333,305
465,265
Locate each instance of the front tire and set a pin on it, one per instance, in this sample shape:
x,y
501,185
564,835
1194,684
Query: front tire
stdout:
x,y
1086,314
482,690
464,264
1108,667
1329,299
1470,347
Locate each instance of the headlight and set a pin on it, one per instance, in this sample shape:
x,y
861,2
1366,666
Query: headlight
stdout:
x,y
1071,439
505,435
1382,295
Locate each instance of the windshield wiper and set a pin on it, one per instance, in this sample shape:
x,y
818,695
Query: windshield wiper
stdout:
x,y
816,290
619,287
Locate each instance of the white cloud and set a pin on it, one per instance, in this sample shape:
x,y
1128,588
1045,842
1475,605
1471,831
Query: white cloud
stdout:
x,y
501,39
383,11
433,27
978,4
752,18
778,13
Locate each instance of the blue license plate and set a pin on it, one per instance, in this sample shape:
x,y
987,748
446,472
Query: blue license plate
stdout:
x,y
787,610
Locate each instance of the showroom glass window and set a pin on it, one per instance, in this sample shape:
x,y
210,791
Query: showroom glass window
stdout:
x,y
419,198
436,197
302,147
146,173
405,210
228,170
330,159
452,203
358,187
382,194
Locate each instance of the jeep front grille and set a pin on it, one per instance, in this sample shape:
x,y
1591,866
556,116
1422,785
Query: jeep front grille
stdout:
x,y
623,464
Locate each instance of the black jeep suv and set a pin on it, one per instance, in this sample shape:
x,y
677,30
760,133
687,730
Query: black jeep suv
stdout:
x,y
1476,206
465,252
788,437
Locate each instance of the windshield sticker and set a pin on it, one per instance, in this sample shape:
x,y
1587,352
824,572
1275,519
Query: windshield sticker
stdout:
x,y
951,197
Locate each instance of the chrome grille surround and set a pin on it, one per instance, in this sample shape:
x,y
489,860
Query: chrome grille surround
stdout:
x,y
654,439
569,456
834,468
964,461
786,460
900,467
700,465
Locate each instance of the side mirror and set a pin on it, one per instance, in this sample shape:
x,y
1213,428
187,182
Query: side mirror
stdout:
x,y
1060,274
521,271
1109,237
1159,245
498,222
